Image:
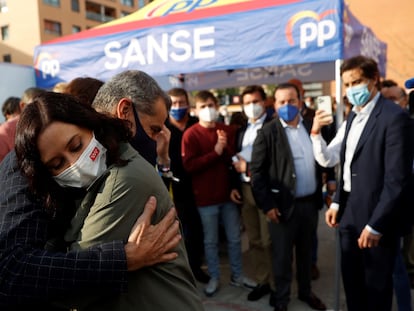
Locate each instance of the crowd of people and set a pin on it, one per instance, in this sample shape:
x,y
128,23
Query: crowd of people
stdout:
x,y
114,195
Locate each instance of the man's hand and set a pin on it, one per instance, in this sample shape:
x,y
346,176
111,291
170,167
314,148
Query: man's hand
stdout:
x,y
330,217
151,244
221,142
368,239
163,143
331,188
320,119
241,165
274,215
235,196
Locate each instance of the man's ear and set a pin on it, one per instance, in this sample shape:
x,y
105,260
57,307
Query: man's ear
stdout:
x,y
124,109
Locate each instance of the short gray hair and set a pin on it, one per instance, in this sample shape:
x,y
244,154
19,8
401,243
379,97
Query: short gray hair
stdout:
x,y
136,85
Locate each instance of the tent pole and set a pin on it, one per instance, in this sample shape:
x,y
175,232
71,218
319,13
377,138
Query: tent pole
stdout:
x,y
338,94
339,120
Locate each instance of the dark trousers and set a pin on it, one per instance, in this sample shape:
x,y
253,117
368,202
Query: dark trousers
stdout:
x,y
192,231
367,273
294,234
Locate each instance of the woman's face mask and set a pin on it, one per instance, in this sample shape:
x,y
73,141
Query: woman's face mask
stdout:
x,y
89,166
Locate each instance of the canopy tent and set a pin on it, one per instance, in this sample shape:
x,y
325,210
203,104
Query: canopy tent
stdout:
x,y
202,44
199,44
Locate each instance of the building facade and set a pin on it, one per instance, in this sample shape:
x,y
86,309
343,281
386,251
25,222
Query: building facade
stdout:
x,y
27,23
391,21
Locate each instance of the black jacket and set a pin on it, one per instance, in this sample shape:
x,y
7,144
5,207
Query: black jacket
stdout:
x,y
273,172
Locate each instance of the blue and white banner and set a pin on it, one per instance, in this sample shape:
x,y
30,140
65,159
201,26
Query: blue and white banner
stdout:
x,y
196,37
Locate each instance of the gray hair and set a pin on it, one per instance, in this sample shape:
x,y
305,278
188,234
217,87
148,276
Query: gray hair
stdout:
x,y
135,85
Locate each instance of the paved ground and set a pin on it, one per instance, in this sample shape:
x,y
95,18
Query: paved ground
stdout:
x,y
232,298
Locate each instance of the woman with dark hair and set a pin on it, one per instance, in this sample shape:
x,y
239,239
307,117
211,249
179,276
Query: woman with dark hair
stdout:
x,y
84,89
61,146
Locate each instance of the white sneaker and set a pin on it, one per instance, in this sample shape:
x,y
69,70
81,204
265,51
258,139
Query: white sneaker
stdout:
x,y
243,281
211,287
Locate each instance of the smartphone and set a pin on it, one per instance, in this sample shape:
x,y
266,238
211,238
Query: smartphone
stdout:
x,y
324,103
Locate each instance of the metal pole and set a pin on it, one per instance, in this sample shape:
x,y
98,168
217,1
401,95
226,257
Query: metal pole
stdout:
x,y
339,119
338,94
337,272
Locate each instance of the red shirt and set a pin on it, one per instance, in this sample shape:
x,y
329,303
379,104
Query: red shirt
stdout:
x,y
209,171
7,135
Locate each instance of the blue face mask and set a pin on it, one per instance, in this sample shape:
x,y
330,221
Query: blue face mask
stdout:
x,y
178,113
358,95
288,112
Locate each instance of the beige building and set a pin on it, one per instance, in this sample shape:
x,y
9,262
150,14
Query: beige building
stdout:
x,y
27,23
392,22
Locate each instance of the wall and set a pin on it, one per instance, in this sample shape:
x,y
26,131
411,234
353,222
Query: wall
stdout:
x,y
392,22
14,80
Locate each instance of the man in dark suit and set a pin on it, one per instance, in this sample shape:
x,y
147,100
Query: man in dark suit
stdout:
x,y
287,187
376,161
253,102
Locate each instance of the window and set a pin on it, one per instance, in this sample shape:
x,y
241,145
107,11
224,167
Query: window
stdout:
x,y
7,58
129,3
54,28
98,12
75,29
75,5
141,3
4,33
52,2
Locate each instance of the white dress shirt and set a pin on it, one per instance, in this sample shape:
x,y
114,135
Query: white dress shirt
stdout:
x,y
329,156
248,139
303,159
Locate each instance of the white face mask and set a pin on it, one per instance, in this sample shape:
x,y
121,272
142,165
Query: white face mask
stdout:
x,y
208,114
90,165
253,111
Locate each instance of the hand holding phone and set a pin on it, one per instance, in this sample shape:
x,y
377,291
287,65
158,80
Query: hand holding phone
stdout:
x,y
325,103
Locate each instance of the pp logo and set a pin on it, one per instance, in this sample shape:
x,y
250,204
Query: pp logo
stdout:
x,y
318,31
46,65
170,7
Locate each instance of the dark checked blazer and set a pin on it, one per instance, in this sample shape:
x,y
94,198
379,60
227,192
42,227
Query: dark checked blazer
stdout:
x,y
31,276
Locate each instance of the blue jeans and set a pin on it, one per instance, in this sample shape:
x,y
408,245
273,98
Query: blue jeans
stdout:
x,y
402,287
229,215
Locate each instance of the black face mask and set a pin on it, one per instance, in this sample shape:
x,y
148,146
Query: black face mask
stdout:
x,y
142,143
